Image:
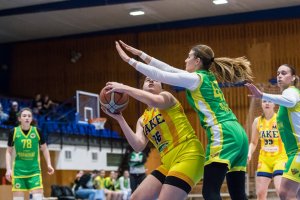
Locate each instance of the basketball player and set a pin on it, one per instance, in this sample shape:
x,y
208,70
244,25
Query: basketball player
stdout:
x,y
272,155
25,174
164,124
288,118
227,149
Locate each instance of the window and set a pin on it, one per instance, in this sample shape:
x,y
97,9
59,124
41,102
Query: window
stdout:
x,y
94,156
114,159
68,155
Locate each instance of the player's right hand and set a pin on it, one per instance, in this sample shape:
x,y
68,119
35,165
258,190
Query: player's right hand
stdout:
x,y
131,49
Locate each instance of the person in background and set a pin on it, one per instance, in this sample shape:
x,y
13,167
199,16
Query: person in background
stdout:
x,y
84,187
125,185
110,184
25,174
288,118
137,169
272,155
3,115
13,114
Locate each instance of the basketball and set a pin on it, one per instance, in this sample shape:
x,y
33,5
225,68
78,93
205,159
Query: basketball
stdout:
x,y
114,102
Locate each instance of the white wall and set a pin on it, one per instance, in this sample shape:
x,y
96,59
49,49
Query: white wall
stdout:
x,y
81,158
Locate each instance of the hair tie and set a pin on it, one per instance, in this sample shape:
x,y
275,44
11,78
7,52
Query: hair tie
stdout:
x,y
212,59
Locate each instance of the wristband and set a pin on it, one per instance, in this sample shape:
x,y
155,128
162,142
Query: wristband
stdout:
x,y
131,61
143,56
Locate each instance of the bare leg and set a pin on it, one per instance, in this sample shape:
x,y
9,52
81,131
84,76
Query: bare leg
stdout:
x,y
168,191
288,189
262,184
149,189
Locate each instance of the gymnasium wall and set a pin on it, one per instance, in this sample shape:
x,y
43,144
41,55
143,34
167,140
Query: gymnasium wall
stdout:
x,y
45,67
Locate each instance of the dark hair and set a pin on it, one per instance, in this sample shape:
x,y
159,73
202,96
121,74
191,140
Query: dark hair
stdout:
x,y
293,72
225,69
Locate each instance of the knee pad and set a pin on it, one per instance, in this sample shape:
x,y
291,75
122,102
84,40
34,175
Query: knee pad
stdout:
x,y
37,196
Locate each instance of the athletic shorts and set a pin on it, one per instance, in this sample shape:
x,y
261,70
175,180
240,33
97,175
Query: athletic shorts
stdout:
x,y
271,166
183,166
227,143
292,168
28,183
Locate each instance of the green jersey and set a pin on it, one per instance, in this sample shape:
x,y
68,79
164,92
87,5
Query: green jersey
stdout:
x,y
209,102
288,126
27,160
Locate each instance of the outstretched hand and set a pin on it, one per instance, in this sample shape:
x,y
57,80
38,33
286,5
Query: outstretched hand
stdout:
x,y
131,49
254,90
122,53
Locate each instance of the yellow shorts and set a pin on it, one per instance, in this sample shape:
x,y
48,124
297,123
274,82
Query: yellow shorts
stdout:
x,y
183,166
271,166
292,170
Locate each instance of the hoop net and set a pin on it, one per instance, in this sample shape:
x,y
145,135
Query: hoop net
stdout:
x,y
98,122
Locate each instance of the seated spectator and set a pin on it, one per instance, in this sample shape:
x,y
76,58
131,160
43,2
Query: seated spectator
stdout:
x,y
111,184
84,188
37,104
13,114
48,104
3,115
124,182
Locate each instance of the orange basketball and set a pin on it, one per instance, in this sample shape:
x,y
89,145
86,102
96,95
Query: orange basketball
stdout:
x,y
114,102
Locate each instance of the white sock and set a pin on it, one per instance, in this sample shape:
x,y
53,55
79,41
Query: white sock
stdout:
x,y
18,198
37,196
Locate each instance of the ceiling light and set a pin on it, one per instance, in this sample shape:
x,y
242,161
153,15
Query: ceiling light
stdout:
x,y
136,12
218,2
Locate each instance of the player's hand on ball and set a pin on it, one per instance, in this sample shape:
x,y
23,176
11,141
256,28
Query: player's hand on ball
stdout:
x,y
113,115
115,87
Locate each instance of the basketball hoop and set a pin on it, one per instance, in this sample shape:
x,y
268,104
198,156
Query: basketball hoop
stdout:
x,y
98,122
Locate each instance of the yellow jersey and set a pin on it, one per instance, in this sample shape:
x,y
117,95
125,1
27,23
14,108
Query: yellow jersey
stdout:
x,y
270,140
166,128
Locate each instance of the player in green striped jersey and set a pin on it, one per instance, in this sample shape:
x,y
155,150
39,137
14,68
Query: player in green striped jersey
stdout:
x,y
227,149
25,174
288,122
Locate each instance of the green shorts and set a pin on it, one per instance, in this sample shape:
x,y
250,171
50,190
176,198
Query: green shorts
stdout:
x,y
27,183
292,167
227,143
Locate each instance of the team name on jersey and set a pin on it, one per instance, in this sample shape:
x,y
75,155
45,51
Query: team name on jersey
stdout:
x,y
269,134
155,121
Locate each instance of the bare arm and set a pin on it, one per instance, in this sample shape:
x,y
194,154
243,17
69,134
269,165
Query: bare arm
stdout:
x,y
254,139
163,100
137,139
8,157
46,154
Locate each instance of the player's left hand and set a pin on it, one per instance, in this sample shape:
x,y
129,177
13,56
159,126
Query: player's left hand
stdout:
x,y
50,170
254,90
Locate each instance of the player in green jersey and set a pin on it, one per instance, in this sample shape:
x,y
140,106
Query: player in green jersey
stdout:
x,y
25,174
227,149
288,122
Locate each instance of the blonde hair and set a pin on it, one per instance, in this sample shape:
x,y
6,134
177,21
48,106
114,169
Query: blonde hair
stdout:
x,y
230,70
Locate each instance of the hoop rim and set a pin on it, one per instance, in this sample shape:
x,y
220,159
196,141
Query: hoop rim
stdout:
x,y
97,120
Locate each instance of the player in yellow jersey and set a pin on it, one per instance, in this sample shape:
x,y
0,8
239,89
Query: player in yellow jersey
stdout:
x,y
25,174
272,155
166,126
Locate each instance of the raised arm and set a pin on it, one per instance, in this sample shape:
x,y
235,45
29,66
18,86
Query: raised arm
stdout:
x,y
151,60
185,79
288,98
254,139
